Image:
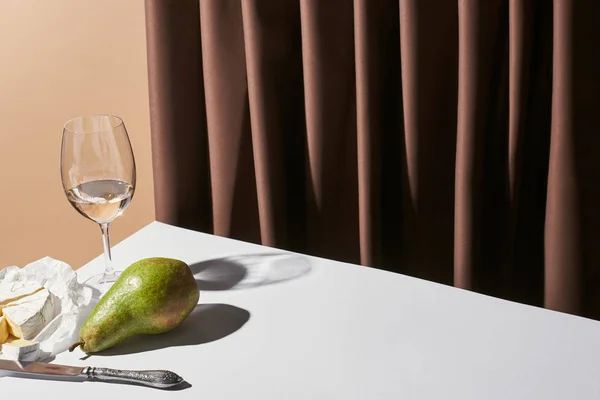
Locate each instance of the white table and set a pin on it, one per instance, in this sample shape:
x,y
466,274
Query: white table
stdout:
x,y
331,330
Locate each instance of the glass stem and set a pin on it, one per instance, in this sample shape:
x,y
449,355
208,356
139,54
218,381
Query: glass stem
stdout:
x,y
108,269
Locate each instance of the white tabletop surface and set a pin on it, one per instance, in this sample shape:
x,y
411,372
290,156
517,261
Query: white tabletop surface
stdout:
x,y
274,325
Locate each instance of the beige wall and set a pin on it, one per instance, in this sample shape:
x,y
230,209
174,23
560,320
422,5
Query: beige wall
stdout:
x,y
60,59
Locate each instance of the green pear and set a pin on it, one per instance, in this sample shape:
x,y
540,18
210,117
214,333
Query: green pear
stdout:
x,y
151,296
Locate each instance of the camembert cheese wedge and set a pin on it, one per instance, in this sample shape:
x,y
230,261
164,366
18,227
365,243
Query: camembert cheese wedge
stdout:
x,y
27,316
21,350
3,330
14,291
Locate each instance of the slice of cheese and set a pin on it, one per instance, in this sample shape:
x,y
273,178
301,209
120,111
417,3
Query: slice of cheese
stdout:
x,y
27,316
14,291
3,329
20,349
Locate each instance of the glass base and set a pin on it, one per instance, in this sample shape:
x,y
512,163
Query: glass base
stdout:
x,y
102,282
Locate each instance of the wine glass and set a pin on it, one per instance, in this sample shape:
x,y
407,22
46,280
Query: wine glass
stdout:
x,y
98,175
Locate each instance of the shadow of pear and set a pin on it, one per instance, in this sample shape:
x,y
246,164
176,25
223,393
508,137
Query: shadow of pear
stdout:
x,y
206,323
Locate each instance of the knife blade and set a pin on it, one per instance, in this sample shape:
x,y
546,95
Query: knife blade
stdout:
x,y
161,379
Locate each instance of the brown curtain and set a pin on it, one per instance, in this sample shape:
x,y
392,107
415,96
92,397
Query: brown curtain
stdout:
x,y
452,140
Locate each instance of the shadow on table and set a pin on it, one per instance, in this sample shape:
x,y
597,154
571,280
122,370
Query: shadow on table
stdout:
x,y
249,270
206,323
96,294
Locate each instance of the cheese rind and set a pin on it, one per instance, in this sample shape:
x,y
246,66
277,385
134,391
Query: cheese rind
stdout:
x,y
27,316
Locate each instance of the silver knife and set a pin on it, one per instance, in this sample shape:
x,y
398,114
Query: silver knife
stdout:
x,y
154,378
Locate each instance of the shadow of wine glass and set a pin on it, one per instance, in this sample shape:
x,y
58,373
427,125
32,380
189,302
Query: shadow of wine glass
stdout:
x,y
249,270
218,274
96,294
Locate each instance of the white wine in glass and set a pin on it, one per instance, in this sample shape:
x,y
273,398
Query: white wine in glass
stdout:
x,y
98,175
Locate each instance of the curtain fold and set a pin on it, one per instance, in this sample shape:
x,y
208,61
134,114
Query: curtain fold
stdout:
x,y
448,140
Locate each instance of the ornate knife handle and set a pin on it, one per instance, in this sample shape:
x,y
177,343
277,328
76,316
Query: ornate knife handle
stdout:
x,y
155,378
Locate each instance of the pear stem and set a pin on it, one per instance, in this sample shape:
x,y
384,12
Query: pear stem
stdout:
x,y
74,345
